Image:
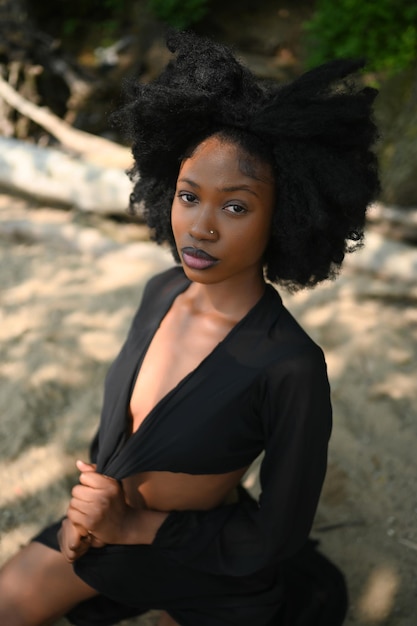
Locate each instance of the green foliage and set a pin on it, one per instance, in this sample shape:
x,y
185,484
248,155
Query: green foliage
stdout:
x,y
384,32
76,19
179,13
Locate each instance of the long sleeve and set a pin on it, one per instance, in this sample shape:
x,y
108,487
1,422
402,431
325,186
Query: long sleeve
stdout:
x,y
242,538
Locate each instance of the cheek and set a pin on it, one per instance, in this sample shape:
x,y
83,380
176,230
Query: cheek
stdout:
x,y
262,244
178,222
174,216
258,237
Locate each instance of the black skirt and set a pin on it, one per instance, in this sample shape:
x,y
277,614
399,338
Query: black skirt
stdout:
x,y
313,591
159,583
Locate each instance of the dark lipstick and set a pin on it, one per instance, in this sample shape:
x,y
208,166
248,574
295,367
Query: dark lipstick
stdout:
x,y
198,259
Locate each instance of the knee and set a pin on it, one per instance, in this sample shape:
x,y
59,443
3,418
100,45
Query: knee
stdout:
x,y
17,601
12,600
7,587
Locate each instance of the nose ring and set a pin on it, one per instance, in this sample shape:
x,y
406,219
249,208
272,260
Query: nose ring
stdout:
x,y
211,232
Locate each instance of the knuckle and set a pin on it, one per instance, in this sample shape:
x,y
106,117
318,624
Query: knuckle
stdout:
x,y
103,502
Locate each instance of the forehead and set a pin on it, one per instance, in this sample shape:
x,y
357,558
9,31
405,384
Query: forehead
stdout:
x,y
230,158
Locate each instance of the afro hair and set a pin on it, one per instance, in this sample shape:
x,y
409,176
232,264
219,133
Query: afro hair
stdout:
x,y
316,133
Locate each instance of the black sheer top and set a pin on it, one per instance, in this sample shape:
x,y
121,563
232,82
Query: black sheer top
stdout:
x,y
264,387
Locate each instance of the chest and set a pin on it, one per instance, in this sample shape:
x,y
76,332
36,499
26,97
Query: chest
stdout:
x,y
180,344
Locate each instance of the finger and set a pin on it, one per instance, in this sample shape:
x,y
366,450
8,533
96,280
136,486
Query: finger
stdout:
x,y
70,534
84,493
98,481
79,519
87,539
73,555
92,479
85,467
74,542
94,502
96,543
69,544
76,505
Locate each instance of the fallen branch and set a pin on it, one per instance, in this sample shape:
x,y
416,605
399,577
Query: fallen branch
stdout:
x,y
92,148
51,176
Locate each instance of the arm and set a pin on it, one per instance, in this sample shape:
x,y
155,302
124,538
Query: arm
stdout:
x,y
245,537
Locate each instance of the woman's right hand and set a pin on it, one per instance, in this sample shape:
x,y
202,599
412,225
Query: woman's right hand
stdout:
x,y
73,540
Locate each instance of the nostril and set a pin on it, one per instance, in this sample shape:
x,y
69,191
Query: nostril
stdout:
x,y
200,230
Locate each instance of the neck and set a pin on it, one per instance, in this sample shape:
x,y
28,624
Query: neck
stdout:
x,y
224,299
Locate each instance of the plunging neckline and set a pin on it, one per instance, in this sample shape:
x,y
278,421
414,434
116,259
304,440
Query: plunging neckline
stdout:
x,y
171,392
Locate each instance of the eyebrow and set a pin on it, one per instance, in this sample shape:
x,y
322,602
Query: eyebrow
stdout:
x,y
192,183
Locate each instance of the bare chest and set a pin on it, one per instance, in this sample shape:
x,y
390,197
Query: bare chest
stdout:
x,y
178,347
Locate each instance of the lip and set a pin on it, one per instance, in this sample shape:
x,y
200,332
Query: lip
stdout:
x,y
198,259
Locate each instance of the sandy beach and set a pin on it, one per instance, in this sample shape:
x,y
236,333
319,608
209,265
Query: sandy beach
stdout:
x,y
69,285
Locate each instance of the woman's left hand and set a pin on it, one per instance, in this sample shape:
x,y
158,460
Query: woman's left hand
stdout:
x,y
71,543
98,504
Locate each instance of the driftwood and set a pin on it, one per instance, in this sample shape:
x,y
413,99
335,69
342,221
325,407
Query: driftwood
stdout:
x,y
95,182
92,148
51,176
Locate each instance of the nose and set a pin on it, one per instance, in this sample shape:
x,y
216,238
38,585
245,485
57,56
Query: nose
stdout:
x,y
202,227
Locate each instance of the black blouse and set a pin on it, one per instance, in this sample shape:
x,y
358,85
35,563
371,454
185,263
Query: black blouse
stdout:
x,y
263,388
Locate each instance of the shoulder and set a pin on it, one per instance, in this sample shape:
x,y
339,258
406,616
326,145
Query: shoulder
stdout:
x,y
288,342
294,364
294,386
270,341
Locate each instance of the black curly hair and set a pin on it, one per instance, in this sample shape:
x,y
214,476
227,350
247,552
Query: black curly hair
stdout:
x,y
316,133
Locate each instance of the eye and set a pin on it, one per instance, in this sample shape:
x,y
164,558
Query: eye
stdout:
x,y
235,209
187,197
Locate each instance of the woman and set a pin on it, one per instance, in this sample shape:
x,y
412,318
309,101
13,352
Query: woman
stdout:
x,y
245,182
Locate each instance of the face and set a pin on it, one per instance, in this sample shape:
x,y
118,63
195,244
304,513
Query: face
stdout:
x,y
221,214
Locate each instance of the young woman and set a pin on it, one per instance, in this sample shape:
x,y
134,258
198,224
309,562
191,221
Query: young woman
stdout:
x,y
250,185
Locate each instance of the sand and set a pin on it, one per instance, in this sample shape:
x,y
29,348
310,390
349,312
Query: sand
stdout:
x,y
69,284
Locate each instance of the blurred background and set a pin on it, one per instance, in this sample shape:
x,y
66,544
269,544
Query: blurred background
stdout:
x,y
72,57
73,263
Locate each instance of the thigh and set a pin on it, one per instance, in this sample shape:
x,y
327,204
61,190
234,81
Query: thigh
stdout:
x,y
39,585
